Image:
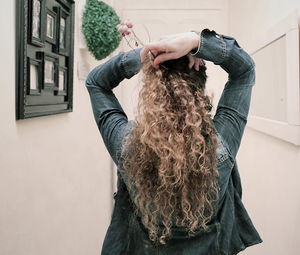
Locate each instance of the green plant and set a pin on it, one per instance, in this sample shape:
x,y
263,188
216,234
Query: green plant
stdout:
x,y
99,27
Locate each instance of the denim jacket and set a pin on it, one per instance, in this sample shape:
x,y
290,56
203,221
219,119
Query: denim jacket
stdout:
x,y
231,229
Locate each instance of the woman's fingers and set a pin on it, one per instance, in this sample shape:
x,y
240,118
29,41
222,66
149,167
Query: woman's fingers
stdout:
x,y
164,57
172,47
143,54
128,23
123,27
153,54
191,61
158,52
197,64
153,47
194,62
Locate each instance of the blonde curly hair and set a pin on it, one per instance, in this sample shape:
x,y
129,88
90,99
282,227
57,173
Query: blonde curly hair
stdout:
x,y
172,160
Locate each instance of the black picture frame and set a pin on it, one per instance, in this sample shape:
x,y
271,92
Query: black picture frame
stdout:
x,y
36,27
34,64
63,36
62,81
51,27
36,93
50,64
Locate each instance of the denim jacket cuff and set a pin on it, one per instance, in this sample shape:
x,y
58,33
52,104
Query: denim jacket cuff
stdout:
x,y
225,51
212,47
131,62
109,74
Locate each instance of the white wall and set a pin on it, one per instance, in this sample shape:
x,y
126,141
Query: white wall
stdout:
x,y
269,167
55,181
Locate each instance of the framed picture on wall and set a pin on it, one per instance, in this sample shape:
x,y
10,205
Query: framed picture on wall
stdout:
x,y
37,22
51,26
61,89
50,70
34,76
63,24
44,57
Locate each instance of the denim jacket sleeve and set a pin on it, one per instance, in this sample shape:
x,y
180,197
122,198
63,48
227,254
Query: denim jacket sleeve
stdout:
x,y
108,113
233,107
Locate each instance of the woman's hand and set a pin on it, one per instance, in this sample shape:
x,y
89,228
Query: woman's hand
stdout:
x,y
124,27
195,62
173,47
167,47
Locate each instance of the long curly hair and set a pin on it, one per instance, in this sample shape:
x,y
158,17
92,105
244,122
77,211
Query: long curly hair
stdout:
x,y
171,152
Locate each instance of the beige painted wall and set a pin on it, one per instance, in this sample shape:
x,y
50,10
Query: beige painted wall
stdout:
x,y
55,182
269,167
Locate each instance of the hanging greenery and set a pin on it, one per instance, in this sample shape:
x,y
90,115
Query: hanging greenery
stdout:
x,y
99,27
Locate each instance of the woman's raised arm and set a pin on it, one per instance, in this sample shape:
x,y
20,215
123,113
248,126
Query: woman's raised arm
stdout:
x,y
233,106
